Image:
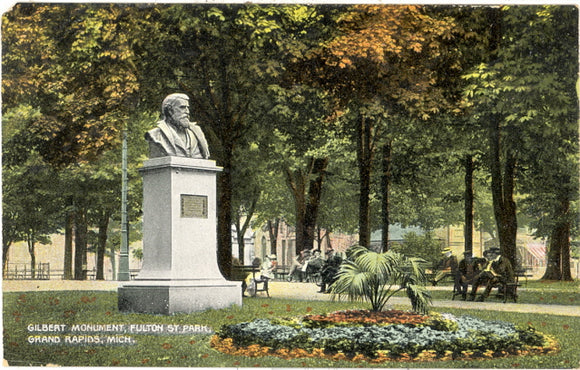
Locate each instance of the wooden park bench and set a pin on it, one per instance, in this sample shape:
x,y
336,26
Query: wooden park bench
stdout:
x,y
505,291
281,272
241,272
523,273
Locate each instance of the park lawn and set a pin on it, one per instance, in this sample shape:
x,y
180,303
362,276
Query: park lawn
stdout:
x,y
193,350
552,297
572,286
533,291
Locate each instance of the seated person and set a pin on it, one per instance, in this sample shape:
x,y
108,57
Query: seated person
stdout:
x,y
247,284
498,271
314,264
329,272
468,268
447,266
299,264
268,268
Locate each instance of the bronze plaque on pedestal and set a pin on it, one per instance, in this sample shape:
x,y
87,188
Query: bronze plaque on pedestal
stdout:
x,y
193,206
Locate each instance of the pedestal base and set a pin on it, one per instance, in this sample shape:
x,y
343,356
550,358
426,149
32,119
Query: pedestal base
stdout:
x,y
181,296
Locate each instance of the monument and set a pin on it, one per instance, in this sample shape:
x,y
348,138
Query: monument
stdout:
x,y
180,273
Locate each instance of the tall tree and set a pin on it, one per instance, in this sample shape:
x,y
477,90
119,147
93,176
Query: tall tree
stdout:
x,y
527,83
245,193
301,147
383,63
223,57
31,205
75,64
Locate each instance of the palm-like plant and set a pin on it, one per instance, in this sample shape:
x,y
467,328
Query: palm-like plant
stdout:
x,y
376,277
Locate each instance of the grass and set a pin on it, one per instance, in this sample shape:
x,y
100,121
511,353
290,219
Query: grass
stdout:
x,y
570,286
193,350
534,291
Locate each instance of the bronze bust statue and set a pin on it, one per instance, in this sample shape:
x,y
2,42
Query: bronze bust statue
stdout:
x,y
175,134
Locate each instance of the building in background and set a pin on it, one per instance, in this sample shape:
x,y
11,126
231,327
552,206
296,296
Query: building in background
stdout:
x,y
531,252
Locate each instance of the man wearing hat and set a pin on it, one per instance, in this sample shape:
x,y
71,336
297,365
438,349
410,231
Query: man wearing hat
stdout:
x,y
468,268
498,271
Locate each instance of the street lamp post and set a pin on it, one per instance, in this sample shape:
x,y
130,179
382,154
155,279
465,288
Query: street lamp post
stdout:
x,y
124,255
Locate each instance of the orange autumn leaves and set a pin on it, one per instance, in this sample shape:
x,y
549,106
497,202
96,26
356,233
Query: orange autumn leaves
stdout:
x,y
227,346
392,53
377,32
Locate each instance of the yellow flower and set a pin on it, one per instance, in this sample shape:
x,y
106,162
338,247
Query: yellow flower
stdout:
x,y
318,352
427,355
359,357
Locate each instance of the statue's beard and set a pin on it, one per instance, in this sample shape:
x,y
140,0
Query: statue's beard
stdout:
x,y
180,122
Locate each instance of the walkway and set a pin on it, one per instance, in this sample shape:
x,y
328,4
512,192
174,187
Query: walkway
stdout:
x,y
300,291
306,291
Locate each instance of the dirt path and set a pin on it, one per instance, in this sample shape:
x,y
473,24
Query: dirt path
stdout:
x,y
300,291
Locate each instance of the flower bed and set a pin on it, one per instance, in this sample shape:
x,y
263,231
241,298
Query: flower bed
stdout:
x,y
363,318
380,337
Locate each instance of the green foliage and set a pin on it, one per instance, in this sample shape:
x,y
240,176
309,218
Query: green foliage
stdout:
x,y
376,277
425,246
442,322
30,201
74,75
530,86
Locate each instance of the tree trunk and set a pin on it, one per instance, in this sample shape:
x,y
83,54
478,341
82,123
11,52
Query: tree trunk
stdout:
x,y
297,183
565,248
80,244
553,268
241,231
5,248
502,188
364,156
385,190
558,267
320,237
314,194
300,206
468,231
565,237
68,245
113,259
32,254
273,228
241,243
102,244
224,252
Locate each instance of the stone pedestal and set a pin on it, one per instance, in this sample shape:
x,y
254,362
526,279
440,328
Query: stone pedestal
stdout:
x,y
180,271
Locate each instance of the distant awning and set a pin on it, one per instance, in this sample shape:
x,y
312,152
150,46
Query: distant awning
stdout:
x,y
537,250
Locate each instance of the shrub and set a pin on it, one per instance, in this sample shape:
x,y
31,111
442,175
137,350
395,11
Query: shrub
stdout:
x,y
368,275
442,322
424,246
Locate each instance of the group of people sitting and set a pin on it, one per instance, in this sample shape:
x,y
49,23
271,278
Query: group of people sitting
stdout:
x,y
492,270
312,267
305,264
